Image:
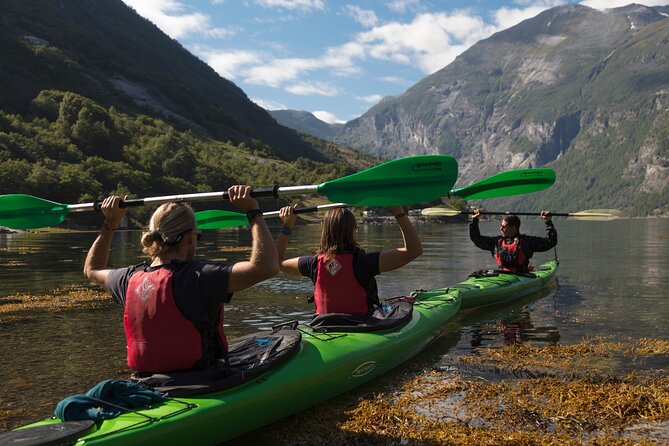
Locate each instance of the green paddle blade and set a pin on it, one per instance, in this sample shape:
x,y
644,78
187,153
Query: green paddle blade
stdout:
x,y
440,212
505,184
402,181
592,214
597,215
216,219
19,211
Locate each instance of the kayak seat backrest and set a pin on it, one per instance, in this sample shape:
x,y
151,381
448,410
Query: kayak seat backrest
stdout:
x,y
389,316
515,273
496,272
248,357
484,273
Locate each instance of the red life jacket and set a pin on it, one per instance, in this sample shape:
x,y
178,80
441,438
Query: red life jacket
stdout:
x,y
159,338
337,289
510,255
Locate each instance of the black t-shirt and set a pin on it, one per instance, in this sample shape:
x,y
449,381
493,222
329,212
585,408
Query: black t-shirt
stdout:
x,y
199,286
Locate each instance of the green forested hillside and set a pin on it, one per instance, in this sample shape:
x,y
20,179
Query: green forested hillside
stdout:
x,y
97,100
306,122
103,50
71,149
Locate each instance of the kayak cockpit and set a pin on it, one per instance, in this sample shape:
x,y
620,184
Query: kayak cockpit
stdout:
x,y
248,357
388,316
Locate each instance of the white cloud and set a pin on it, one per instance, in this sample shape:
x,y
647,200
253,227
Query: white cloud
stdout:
x,y
365,17
328,117
393,80
403,5
431,41
309,88
260,69
606,4
372,98
229,64
219,33
507,17
342,59
171,17
279,71
301,5
269,105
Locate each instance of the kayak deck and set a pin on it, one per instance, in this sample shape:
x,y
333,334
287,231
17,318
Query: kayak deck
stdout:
x,y
326,365
496,289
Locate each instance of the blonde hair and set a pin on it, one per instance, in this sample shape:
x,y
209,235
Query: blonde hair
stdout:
x,y
338,233
167,223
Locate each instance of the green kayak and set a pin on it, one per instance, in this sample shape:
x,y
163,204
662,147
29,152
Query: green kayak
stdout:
x,y
326,362
494,287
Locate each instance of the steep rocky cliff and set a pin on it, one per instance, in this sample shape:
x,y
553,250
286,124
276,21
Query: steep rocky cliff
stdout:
x,y
583,91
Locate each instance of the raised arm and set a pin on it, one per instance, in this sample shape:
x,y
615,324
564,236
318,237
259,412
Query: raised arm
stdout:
x,y
262,264
398,257
481,241
95,267
288,266
541,244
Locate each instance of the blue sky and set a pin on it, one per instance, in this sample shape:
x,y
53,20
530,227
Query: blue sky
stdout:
x,y
336,59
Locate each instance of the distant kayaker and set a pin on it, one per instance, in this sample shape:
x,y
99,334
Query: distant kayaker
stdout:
x,y
512,250
173,316
342,273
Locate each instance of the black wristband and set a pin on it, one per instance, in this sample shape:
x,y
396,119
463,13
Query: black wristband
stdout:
x,y
285,230
253,213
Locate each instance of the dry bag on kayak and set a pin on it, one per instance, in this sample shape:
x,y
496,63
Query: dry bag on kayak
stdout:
x,y
107,399
248,357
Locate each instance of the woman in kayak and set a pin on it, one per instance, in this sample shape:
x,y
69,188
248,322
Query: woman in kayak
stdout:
x,y
342,273
512,250
173,315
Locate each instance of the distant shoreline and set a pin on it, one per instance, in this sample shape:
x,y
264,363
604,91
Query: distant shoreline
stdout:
x,y
383,220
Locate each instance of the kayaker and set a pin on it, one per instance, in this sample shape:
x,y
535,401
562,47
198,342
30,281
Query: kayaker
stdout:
x,y
512,250
173,316
342,273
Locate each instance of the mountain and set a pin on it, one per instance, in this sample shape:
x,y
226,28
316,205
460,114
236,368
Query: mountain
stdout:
x,y
97,100
305,122
583,91
104,51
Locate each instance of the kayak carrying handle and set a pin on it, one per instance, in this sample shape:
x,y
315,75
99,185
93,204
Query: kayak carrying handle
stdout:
x,y
291,325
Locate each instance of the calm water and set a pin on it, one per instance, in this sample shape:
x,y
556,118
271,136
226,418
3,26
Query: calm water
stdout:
x,y
612,280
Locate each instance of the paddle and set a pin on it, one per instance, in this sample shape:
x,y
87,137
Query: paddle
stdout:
x,y
513,182
505,184
217,219
593,214
397,182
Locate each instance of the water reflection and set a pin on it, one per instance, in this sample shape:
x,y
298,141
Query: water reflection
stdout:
x,y
612,280
510,331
